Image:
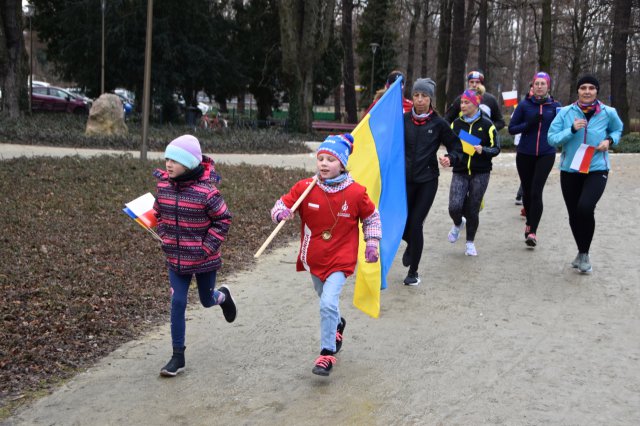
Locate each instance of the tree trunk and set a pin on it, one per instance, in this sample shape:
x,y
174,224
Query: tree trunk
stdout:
x,y
304,33
411,53
579,23
337,105
444,45
545,49
348,67
621,20
424,67
482,36
458,45
13,59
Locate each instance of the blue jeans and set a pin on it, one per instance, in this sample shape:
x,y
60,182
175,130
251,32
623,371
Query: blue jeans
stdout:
x,y
179,291
329,293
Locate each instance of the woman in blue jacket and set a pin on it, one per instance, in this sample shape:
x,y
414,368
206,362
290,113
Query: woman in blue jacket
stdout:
x,y
535,157
585,130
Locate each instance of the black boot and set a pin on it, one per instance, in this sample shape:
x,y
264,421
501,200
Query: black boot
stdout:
x,y
175,364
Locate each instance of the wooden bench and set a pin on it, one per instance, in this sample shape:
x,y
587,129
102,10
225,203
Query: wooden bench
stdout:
x,y
328,126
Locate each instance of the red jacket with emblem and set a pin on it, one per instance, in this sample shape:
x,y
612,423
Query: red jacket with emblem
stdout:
x,y
337,212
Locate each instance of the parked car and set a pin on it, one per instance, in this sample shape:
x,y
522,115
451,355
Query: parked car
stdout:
x,y
50,98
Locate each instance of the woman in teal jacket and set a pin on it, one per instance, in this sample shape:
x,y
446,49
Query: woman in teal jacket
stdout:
x,y
584,130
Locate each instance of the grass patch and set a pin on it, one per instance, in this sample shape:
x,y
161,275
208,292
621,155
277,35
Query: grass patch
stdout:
x,y
79,278
68,130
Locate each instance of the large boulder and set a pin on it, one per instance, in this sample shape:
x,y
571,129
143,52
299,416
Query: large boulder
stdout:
x,y
106,117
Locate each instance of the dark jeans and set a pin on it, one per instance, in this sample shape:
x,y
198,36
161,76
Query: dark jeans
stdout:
x,y
533,172
581,193
420,197
179,291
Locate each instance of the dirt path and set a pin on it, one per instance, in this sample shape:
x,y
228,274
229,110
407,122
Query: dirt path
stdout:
x,y
514,336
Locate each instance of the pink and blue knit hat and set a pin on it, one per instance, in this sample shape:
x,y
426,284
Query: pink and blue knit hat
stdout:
x,y
340,146
471,96
185,150
543,75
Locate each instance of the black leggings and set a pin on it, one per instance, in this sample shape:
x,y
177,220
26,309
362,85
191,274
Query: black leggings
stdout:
x,y
581,193
533,172
420,197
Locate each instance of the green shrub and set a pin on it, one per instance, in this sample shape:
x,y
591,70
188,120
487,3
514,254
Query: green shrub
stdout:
x,y
629,143
68,130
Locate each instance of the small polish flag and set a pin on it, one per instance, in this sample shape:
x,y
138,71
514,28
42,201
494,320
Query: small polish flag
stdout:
x,y
510,98
582,158
141,210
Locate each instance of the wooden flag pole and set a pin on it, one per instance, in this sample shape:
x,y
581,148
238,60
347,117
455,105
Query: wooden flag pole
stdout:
x,y
281,224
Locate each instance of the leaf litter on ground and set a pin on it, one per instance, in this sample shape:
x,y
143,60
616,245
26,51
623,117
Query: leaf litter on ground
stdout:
x,y
79,278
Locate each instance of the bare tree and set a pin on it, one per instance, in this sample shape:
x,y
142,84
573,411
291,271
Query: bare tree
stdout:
x,y
305,34
444,42
545,52
348,67
13,57
621,20
424,57
461,34
411,47
482,35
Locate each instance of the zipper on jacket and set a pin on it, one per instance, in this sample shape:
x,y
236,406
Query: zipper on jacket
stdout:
x,y
539,131
471,132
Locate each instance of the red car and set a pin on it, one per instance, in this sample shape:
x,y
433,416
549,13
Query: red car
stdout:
x,y
49,98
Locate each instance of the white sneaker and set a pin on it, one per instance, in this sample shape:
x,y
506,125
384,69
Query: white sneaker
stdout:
x,y
471,249
454,234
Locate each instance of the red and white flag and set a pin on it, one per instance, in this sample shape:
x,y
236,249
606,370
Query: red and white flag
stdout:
x,y
510,98
582,158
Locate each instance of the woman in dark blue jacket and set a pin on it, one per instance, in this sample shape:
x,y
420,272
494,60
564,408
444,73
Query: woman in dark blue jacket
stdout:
x,y
535,157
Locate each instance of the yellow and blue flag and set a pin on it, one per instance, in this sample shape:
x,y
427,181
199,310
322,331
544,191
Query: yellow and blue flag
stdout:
x,y
468,142
377,163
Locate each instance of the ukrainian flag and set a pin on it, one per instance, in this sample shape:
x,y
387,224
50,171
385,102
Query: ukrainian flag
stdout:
x,y
377,162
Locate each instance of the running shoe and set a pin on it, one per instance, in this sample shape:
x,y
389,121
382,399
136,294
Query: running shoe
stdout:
x,y
412,279
470,249
454,233
523,212
527,231
576,262
324,363
229,309
518,201
585,263
531,240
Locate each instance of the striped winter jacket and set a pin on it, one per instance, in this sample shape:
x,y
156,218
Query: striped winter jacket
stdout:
x,y
193,221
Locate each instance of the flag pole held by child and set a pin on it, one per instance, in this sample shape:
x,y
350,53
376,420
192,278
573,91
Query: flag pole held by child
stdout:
x,y
281,224
141,211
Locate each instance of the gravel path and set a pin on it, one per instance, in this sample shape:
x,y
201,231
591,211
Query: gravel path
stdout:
x,y
514,336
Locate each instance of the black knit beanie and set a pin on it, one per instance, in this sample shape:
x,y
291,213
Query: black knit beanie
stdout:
x,y
588,79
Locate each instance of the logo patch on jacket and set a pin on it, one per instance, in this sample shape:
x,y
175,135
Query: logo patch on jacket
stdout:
x,y
345,210
314,206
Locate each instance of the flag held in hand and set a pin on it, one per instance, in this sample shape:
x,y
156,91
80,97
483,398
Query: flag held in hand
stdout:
x,y
141,210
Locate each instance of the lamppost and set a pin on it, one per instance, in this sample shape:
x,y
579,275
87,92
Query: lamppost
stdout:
x,y
103,3
374,48
29,10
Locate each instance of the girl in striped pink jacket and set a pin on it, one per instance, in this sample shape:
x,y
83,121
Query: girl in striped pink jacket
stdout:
x,y
193,222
